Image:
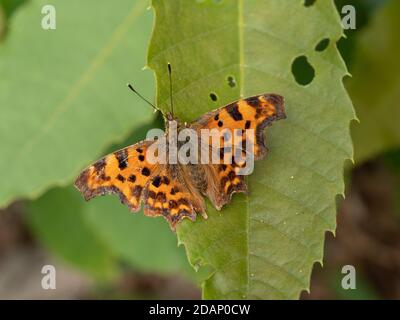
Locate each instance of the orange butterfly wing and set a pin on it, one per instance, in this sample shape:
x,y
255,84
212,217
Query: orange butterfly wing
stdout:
x,y
170,195
124,172
255,112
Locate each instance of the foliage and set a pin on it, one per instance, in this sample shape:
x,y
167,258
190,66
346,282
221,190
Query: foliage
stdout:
x,y
262,245
63,96
375,85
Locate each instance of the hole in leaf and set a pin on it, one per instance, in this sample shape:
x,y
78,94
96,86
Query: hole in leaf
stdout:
x,y
309,3
303,71
322,45
231,81
213,97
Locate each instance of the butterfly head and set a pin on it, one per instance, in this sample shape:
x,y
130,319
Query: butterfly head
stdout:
x,y
169,116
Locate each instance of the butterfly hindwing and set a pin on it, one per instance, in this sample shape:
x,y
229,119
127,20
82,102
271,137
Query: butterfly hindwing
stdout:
x,y
124,172
169,195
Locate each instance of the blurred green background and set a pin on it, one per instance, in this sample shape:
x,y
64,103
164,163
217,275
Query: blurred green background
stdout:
x,y
98,249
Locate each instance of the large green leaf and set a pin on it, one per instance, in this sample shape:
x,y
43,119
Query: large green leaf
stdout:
x,y
62,92
375,85
263,245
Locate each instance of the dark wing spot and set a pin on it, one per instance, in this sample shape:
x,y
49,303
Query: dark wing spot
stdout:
x,y
234,112
224,180
136,191
121,178
216,117
145,171
174,190
139,150
172,204
165,180
224,150
156,181
254,102
161,197
221,153
104,177
220,123
248,124
122,156
141,157
152,194
99,165
183,201
258,113
132,178
243,145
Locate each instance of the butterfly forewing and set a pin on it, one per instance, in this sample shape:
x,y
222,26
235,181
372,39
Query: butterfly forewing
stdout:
x,y
124,172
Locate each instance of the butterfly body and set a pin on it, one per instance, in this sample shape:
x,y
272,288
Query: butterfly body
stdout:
x,y
175,190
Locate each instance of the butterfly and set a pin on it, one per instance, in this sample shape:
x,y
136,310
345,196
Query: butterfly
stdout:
x,y
175,190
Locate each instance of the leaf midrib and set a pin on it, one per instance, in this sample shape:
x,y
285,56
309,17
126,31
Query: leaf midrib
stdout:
x,y
241,93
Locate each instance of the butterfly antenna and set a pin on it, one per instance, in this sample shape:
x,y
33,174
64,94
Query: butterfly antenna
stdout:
x,y
140,96
170,88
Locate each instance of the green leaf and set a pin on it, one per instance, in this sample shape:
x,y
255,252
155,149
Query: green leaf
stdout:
x,y
3,23
62,92
263,245
58,220
375,85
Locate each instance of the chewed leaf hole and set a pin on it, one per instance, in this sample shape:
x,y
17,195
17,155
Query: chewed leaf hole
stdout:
x,y
309,3
322,45
213,96
303,71
231,81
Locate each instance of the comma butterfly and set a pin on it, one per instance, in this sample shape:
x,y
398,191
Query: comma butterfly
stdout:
x,y
176,191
